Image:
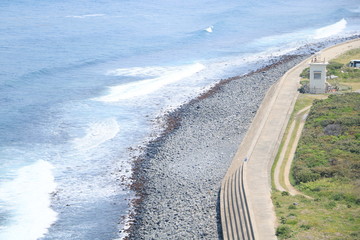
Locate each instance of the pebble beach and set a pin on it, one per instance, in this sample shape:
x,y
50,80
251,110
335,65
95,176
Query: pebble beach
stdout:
x,y
119,119
179,176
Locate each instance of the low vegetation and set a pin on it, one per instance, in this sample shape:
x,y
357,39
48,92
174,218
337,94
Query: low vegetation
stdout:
x,y
347,56
319,218
326,166
330,143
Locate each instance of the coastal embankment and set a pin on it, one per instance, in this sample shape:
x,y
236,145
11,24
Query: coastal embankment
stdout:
x,y
259,147
178,177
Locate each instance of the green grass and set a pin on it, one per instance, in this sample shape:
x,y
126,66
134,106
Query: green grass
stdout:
x,y
303,101
329,146
320,218
348,56
334,211
288,150
347,76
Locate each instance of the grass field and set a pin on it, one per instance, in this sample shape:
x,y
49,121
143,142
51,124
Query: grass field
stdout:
x,y
326,167
319,218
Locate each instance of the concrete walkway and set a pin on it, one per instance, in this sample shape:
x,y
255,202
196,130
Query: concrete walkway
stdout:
x,y
259,147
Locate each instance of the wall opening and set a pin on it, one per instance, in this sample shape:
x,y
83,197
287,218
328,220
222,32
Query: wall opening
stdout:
x,y
317,75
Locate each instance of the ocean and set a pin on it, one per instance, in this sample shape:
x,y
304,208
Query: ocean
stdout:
x,y
84,82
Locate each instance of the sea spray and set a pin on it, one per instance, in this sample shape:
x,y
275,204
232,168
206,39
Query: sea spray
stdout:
x,y
27,197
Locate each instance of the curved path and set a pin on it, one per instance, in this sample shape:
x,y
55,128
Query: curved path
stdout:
x,y
259,147
299,121
302,115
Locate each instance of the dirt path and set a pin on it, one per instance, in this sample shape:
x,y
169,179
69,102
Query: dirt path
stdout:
x,y
282,170
261,144
283,166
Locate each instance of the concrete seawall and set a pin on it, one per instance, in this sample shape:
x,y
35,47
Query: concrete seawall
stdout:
x,y
245,203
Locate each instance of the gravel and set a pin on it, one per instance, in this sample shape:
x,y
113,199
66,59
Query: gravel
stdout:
x,y
178,179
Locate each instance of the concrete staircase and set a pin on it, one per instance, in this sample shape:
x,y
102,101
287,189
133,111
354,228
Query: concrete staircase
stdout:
x,y
236,216
246,208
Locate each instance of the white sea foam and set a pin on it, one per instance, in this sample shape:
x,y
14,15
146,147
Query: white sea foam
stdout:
x,y
28,199
87,15
142,71
209,29
330,30
97,133
140,88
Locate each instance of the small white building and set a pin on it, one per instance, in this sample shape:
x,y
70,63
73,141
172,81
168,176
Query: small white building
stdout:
x,y
317,75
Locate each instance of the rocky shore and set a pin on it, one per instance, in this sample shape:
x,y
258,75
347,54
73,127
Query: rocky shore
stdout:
x,y
178,178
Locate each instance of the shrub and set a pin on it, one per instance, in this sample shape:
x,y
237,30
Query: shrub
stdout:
x,y
305,175
305,88
305,226
331,205
338,196
292,207
333,129
355,234
333,67
305,73
283,232
292,222
329,145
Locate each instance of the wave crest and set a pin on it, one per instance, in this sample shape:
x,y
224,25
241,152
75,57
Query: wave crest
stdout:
x,y
147,86
331,30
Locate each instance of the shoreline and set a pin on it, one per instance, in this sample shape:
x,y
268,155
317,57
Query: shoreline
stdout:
x,y
167,167
152,165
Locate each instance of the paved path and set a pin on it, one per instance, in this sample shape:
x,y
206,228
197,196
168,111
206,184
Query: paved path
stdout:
x,y
260,146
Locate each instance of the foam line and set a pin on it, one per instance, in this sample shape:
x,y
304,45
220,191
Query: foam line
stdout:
x,y
140,88
28,199
97,133
87,15
142,71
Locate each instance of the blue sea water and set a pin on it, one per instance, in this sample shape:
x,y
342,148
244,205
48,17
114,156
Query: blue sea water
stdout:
x,y
83,81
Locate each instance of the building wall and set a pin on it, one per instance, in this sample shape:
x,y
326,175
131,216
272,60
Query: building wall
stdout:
x,y
317,77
